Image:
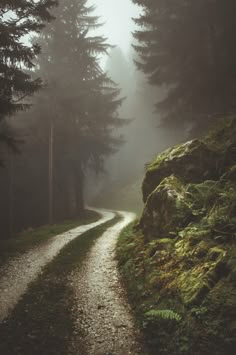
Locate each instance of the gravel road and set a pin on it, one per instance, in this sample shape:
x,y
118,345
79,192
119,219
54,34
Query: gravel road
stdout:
x,y
16,275
105,324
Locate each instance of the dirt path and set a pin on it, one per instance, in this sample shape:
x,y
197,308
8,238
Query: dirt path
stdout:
x,y
104,320
19,272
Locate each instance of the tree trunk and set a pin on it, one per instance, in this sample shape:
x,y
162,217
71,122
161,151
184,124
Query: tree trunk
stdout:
x,y
11,194
75,192
79,187
50,172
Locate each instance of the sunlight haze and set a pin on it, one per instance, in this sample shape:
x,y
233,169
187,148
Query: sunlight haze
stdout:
x,y
117,18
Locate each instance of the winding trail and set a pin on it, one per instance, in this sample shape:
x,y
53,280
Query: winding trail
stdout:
x,y
104,322
19,272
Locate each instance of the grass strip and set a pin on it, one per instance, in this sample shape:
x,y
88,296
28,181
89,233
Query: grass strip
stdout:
x,y
42,322
26,240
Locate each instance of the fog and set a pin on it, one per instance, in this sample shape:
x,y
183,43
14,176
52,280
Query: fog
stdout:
x,y
80,140
121,184
117,177
116,17
144,139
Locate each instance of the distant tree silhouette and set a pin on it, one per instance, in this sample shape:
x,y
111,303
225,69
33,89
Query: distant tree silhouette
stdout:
x,y
79,103
190,47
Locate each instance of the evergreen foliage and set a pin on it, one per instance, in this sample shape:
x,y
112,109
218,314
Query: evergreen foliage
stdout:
x,y
80,99
68,130
190,47
17,20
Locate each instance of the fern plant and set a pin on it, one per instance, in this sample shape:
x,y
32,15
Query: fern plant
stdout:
x,y
166,314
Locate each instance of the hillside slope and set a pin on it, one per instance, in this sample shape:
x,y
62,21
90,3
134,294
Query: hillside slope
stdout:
x,y
179,261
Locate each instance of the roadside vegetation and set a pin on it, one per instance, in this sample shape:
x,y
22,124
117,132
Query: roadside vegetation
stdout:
x,y
179,261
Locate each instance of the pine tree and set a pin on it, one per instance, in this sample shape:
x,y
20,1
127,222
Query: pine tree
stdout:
x,y
19,19
80,103
189,46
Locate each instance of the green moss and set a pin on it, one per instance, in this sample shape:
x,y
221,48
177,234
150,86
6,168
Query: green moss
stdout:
x,y
166,209
192,286
176,152
160,159
183,255
216,253
162,244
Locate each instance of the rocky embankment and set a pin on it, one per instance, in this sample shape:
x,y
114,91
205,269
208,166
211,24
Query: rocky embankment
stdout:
x,y
179,261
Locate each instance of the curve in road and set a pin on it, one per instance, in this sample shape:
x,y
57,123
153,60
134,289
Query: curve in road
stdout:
x,y
104,321
19,272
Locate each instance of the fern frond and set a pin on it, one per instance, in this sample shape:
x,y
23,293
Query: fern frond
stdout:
x,y
163,314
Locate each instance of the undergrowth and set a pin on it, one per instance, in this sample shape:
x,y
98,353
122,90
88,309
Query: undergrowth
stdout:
x,y
183,299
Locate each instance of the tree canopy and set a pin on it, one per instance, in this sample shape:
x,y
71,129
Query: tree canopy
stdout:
x,y
79,99
19,19
189,46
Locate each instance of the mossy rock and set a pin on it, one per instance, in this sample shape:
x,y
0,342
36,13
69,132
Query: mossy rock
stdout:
x,y
157,245
203,195
202,249
195,284
192,286
166,209
187,258
165,244
216,253
193,162
231,265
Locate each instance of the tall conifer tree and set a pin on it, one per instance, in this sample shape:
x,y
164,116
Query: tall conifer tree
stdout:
x,y
80,101
17,20
190,46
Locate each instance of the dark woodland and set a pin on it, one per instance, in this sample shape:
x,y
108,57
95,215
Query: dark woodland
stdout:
x,y
117,177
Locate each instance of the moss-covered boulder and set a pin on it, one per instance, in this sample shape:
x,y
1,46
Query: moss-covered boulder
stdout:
x,y
193,161
179,263
166,209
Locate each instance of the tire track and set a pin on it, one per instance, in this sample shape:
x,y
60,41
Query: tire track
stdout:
x,y
104,321
19,272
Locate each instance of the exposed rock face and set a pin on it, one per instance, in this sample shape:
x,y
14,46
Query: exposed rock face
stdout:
x,y
193,161
184,174
166,208
184,250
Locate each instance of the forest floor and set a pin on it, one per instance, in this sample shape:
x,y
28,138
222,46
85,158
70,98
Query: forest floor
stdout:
x,y
65,296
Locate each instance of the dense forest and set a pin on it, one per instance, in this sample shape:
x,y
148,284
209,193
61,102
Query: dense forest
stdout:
x,y
189,46
67,127
147,127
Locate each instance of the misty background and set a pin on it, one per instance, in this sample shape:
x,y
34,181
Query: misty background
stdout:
x,y
71,148
120,185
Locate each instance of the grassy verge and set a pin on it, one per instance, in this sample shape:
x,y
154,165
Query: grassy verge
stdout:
x,y
129,248
30,238
42,322
139,275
